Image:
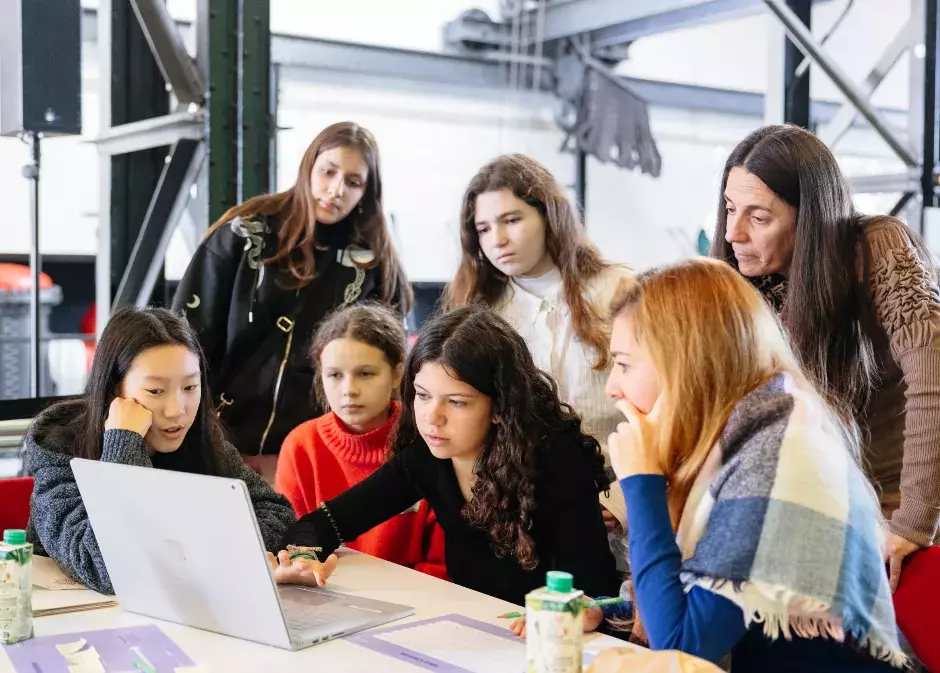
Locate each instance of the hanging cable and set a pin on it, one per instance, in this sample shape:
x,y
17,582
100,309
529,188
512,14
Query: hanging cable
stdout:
x,y
539,44
505,56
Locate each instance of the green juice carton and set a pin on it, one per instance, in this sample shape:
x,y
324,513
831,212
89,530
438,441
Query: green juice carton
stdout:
x,y
16,585
555,626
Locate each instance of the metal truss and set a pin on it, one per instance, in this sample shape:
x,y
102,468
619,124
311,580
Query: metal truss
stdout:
x,y
222,112
919,150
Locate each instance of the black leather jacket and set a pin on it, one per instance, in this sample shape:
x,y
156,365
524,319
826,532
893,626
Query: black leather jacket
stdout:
x,y
256,335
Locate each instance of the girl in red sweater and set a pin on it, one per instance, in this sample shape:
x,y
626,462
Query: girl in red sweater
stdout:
x,y
358,353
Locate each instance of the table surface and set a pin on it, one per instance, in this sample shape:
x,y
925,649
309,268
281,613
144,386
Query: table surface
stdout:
x,y
356,574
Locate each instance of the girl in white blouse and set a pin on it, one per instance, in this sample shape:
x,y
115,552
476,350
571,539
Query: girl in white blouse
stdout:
x,y
524,254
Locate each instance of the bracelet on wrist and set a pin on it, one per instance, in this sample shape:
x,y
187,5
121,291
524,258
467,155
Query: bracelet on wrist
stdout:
x,y
309,553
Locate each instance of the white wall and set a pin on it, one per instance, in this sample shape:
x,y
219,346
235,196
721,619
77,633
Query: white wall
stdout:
x,y
735,54
433,138
68,189
432,141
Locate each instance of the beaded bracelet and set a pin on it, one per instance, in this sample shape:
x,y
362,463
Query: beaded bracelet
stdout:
x,y
309,553
339,536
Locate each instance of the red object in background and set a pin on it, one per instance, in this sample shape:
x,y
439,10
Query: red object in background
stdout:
x,y
88,325
916,604
17,278
15,494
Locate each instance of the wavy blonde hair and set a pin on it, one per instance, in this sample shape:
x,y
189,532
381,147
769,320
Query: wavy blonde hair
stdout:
x,y
712,339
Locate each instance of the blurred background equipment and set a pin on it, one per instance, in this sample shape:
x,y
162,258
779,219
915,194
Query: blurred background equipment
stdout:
x,y
40,95
16,331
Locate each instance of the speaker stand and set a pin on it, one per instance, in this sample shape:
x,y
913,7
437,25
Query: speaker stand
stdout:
x,y
31,173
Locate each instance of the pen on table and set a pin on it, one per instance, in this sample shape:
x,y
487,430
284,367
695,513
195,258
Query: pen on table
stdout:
x,y
587,604
140,661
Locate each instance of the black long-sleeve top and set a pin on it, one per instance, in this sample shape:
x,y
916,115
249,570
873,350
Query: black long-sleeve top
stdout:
x,y
567,525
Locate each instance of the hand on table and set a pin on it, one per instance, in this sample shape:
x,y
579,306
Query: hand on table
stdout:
x,y
300,570
593,617
897,550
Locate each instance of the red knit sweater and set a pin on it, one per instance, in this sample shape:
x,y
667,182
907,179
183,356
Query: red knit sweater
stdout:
x,y
320,459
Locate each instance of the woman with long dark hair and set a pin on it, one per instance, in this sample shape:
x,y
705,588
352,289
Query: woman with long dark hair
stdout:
x,y
502,461
526,256
858,297
271,268
146,403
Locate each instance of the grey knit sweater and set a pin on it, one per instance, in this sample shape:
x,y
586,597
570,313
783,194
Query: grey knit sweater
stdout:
x,y
58,524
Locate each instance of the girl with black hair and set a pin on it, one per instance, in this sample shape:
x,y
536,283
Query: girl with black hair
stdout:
x,y
503,463
146,404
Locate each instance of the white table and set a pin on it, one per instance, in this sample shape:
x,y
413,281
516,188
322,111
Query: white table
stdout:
x,y
356,574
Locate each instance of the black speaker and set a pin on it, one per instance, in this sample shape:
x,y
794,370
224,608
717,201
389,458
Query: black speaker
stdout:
x,y
41,67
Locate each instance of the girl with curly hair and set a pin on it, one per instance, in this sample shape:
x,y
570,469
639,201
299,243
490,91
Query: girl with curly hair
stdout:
x,y
504,464
524,253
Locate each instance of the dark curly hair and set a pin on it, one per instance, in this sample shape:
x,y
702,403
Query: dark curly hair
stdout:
x,y
481,349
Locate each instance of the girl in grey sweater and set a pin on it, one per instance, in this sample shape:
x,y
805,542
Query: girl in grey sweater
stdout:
x,y
146,404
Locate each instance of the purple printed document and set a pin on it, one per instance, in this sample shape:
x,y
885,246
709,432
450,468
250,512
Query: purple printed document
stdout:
x,y
449,644
117,650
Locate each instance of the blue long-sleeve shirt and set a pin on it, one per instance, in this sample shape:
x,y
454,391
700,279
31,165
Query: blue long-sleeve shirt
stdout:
x,y
703,623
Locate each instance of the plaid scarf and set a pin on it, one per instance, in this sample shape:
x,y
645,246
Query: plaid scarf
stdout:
x,y
783,523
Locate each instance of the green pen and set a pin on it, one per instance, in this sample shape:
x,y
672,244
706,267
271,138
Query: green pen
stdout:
x,y
587,604
140,661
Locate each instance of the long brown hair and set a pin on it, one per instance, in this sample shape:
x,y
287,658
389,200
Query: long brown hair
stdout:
x,y
481,349
827,310
477,280
295,207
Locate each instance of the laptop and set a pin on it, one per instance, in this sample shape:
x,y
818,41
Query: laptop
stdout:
x,y
186,548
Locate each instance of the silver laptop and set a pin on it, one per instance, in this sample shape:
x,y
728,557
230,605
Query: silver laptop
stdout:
x,y
186,548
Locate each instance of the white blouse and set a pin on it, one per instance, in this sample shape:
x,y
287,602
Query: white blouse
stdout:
x,y
537,310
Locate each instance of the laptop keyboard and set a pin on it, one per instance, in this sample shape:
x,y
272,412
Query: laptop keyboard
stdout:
x,y
304,610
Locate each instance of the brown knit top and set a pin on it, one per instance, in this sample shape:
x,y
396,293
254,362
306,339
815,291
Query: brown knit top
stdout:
x,y
903,416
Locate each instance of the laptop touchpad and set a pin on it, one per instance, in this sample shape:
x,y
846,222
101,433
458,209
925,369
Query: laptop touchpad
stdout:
x,y
294,595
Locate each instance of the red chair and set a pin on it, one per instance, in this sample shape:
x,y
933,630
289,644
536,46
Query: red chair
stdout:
x,y
917,605
14,502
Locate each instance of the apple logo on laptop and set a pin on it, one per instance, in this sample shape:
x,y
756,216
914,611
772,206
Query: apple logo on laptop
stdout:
x,y
175,547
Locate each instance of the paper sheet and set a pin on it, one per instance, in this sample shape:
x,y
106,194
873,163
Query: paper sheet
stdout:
x,y
449,644
462,646
47,575
86,661
114,649
47,602
68,649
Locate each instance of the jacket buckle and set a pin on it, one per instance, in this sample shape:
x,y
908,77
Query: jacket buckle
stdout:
x,y
285,324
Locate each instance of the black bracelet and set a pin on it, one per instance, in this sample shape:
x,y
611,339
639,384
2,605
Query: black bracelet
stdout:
x,y
339,536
